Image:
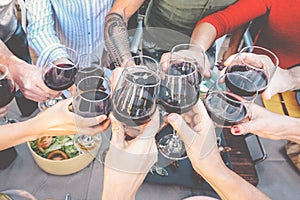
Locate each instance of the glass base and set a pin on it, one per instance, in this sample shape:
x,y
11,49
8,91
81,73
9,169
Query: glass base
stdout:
x,y
87,144
172,147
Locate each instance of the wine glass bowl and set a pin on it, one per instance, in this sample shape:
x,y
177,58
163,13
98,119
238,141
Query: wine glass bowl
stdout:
x,y
225,104
92,98
134,97
58,72
260,73
193,53
7,86
88,65
59,77
7,89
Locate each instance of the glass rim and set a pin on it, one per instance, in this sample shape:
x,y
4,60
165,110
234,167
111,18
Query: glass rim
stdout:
x,y
142,67
242,97
186,44
139,56
92,68
183,75
96,89
64,48
243,50
5,74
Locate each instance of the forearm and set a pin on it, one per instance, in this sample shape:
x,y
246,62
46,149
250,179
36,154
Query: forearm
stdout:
x,y
121,185
14,134
115,30
204,35
292,129
236,37
225,182
116,39
294,74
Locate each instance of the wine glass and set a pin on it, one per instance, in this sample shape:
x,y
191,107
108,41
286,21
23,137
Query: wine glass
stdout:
x,y
192,53
259,73
92,98
89,65
7,90
179,92
59,72
225,104
135,95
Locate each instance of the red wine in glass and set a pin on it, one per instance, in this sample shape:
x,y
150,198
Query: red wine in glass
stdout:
x,y
137,109
94,103
61,77
178,103
237,86
7,91
225,109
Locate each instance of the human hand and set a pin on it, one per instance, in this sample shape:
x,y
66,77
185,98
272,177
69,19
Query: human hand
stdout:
x,y
59,120
264,123
3,111
197,131
29,79
281,80
128,162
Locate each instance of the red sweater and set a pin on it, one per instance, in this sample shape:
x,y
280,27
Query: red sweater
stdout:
x,y
281,33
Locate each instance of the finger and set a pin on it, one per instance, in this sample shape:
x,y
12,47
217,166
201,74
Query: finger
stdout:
x,y
88,122
118,132
229,60
151,128
183,130
243,128
199,109
98,129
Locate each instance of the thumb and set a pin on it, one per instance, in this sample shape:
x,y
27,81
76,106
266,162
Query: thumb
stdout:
x,y
243,128
180,126
117,138
266,94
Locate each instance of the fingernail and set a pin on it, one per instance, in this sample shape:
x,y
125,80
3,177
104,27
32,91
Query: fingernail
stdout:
x,y
236,130
172,117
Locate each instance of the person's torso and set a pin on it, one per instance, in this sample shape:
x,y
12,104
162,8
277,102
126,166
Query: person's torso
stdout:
x,y
8,20
281,33
181,15
79,24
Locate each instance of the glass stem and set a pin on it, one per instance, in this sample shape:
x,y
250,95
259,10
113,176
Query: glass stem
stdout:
x,y
4,120
175,136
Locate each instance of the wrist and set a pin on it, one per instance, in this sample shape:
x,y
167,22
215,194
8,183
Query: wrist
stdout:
x,y
210,164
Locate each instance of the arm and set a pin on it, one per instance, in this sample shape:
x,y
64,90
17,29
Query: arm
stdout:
x,y
28,77
201,145
283,80
115,31
269,125
41,34
225,21
235,41
61,123
122,179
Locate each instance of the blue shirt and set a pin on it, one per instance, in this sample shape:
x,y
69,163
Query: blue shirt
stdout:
x,y
78,24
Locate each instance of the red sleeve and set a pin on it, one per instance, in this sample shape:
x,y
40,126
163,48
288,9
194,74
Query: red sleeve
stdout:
x,y
235,15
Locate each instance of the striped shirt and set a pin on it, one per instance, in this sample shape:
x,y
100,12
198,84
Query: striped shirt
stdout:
x,y
78,24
